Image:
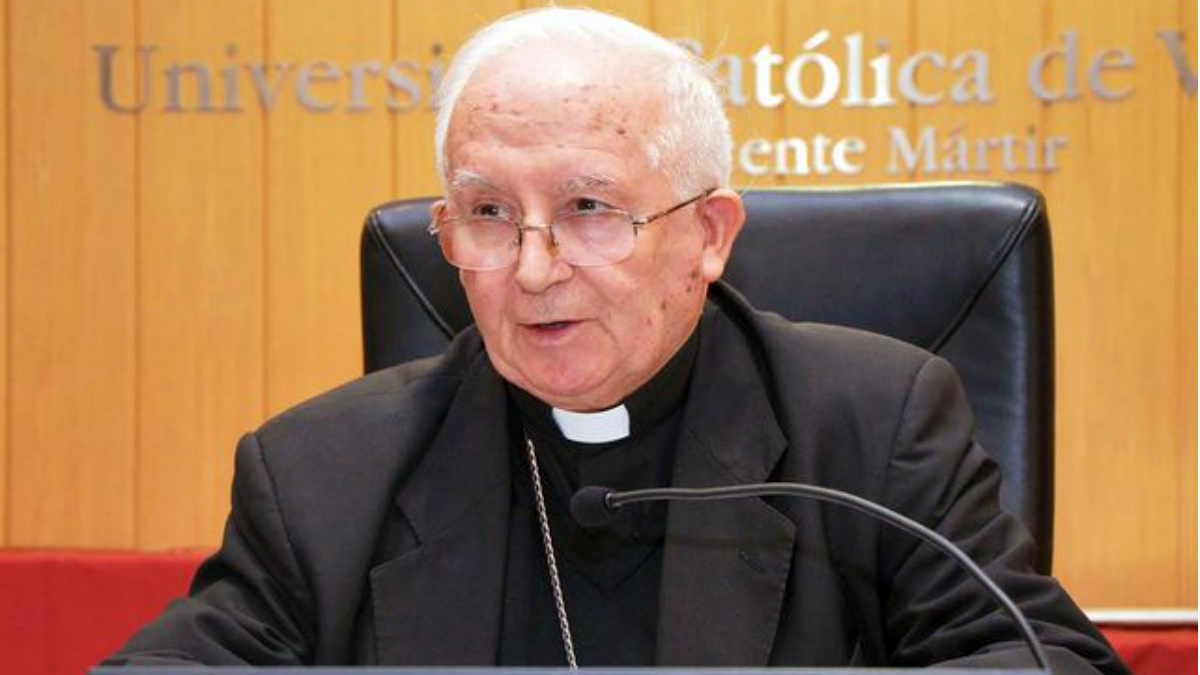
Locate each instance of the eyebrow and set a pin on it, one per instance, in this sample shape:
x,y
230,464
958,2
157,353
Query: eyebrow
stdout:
x,y
580,183
464,179
469,179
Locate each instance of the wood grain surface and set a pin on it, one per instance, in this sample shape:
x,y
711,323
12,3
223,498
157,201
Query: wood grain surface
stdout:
x,y
200,270
171,277
72,366
4,355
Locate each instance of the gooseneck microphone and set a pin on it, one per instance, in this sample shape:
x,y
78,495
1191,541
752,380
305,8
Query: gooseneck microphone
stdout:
x,y
593,506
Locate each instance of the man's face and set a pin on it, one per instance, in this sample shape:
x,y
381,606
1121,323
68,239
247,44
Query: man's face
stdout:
x,y
536,140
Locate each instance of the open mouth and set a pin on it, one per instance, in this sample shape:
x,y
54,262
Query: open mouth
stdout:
x,y
552,329
552,333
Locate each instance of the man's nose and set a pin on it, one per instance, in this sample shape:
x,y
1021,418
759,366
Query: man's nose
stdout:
x,y
539,265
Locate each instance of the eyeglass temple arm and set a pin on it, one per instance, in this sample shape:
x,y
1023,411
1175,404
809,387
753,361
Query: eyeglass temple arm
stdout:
x,y
645,220
434,227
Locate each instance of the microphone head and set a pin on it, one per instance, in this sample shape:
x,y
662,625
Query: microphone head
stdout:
x,y
589,507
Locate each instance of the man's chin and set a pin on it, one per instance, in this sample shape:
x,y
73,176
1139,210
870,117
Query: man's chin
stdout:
x,y
574,391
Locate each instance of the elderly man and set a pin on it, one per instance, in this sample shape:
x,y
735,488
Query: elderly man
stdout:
x,y
418,516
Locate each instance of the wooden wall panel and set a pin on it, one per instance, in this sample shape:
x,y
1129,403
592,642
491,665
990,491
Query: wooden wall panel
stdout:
x,y
4,356
1115,219
72,280
168,278
325,170
1186,444
737,29
886,20
200,273
427,35
1009,34
638,11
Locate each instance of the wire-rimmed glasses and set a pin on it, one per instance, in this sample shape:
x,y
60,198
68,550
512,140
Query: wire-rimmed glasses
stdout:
x,y
581,237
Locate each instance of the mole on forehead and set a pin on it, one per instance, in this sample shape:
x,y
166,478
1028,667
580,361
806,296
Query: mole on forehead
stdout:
x,y
508,86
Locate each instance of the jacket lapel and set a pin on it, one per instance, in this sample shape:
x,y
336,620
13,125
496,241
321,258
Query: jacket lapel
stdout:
x,y
725,564
440,603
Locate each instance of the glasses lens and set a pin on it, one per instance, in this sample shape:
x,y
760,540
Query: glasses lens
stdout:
x,y
479,243
598,238
584,239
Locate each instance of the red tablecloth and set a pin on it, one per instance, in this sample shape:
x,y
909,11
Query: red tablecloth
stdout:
x,y
1155,650
62,611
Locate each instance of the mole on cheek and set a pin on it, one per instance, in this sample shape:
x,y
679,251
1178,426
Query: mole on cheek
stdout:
x,y
663,305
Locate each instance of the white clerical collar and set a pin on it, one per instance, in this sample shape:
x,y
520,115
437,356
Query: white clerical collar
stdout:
x,y
604,426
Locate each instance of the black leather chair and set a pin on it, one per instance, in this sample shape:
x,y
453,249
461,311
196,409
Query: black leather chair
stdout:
x,y
963,270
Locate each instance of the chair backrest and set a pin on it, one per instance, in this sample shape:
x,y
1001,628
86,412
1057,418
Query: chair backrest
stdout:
x,y
963,270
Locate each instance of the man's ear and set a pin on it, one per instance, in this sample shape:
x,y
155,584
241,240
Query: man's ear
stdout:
x,y
722,215
435,209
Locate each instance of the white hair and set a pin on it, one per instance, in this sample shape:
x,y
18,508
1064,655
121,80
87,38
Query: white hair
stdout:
x,y
692,144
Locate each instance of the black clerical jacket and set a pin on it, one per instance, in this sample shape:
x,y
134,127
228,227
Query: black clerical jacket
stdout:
x,y
369,525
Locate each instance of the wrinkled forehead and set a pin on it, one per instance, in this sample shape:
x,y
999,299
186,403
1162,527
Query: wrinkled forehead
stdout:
x,y
548,90
540,68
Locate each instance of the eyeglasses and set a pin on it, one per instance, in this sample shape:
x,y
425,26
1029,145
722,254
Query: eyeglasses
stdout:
x,y
588,235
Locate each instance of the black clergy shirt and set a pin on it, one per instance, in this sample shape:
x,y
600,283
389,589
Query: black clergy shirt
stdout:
x,y
610,575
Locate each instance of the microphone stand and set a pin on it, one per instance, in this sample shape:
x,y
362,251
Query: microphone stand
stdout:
x,y
593,505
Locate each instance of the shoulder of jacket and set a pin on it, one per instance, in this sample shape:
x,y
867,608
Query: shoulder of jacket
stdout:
x,y
850,350
385,396
790,343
